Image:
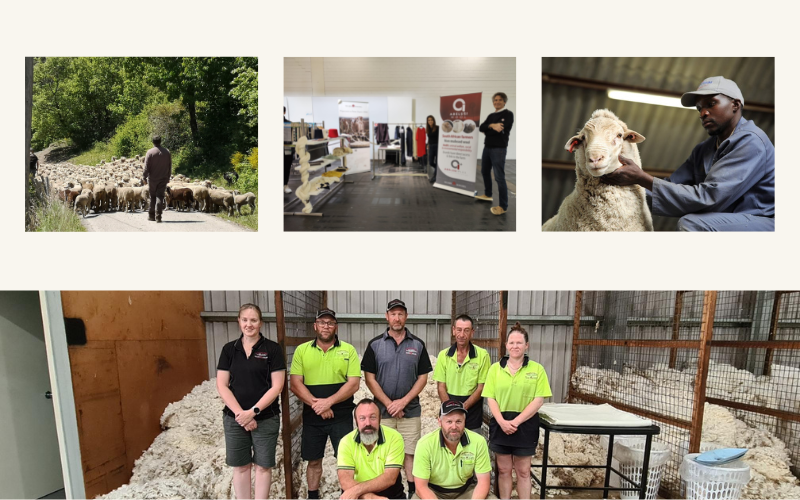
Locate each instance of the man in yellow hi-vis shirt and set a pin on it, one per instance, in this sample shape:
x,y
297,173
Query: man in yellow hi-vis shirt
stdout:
x,y
452,462
370,457
461,371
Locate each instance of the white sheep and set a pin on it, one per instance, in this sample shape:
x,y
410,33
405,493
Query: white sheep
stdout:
x,y
592,205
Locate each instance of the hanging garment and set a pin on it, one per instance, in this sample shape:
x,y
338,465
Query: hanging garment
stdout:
x,y
397,132
402,133
381,133
409,142
421,141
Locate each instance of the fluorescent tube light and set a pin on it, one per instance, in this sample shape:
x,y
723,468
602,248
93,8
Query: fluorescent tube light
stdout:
x,y
623,95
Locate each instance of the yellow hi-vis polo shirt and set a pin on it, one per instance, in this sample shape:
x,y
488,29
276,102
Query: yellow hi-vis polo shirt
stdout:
x,y
386,454
515,392
324,373
443,470
464,379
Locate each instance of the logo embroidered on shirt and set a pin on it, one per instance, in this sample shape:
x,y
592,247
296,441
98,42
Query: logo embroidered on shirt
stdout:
x,y
411,351
531,376
260,355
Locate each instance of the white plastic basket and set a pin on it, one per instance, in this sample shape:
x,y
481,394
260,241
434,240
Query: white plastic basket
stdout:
x,y
719,482
629,452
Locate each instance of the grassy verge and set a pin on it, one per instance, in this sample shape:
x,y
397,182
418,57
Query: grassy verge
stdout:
x,y
100,151
54,216
249,220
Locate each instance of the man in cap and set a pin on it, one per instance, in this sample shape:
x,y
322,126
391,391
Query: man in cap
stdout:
x,y
157,169
461,371
728,182
396,366
325,374
370,457
452,462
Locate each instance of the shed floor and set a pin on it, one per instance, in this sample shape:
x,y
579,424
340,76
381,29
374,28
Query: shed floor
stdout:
x,y
403,204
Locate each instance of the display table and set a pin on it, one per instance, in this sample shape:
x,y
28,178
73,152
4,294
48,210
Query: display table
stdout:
x,y
597,420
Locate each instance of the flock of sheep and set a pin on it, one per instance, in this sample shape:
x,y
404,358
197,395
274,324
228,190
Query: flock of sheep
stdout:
x,y
118,186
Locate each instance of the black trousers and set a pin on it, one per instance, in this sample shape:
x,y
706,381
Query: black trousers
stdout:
x,y
157,191
287,168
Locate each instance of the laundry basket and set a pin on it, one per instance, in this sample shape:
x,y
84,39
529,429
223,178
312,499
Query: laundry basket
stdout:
x,y
629,452
718,482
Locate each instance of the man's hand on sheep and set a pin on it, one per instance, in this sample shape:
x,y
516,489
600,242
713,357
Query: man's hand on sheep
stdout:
x,y
628,174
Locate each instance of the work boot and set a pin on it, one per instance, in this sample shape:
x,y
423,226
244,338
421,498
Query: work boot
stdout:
x,y
158,218
151,218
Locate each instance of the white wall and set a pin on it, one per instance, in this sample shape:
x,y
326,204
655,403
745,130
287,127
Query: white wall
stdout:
x,y
28,443
423,79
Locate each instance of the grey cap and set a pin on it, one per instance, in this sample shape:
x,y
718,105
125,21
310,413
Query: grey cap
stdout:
x,y
713,85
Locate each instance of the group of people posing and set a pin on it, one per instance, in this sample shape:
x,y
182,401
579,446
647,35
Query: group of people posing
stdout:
x,y
375,437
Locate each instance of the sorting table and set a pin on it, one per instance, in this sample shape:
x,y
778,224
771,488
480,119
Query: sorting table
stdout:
x,y
648,432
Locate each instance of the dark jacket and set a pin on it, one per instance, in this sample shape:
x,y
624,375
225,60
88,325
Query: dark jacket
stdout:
x,y
496,139
157,165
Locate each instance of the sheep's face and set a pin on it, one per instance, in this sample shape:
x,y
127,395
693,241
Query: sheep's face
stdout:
x,y
599,144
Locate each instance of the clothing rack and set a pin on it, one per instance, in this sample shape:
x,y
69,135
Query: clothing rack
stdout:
x,y
414,126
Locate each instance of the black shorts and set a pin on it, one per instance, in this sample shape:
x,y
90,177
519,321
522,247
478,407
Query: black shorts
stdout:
x,y
316,435
512,450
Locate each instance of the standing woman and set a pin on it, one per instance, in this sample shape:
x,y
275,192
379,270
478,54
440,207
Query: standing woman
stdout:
x,y
433,144
250,375
515,390
287,161
497,128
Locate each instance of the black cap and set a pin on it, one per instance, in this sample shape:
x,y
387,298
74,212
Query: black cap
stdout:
x,y
326,312
450,406
396,303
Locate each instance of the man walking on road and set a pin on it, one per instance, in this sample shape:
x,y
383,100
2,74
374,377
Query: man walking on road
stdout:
x,y
157,169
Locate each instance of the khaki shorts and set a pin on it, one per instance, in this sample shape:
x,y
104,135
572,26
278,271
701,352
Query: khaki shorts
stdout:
x,y
410,428
451,496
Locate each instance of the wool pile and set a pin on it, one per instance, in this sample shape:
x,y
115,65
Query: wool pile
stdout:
x,y
669,391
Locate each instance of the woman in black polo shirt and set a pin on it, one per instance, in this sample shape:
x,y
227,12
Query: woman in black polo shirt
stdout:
x,y
250,375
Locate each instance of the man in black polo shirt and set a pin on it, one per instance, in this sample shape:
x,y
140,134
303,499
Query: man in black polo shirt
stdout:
x,y
325,374
396,366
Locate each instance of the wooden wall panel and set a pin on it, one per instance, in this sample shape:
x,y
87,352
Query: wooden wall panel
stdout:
x,y
144,350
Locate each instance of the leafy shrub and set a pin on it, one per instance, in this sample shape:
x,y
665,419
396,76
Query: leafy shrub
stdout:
x,y
132,137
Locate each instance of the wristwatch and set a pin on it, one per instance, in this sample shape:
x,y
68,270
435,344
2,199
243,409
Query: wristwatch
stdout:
x,y
256,410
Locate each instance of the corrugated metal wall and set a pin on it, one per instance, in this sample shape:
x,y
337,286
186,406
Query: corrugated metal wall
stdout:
x,y
671,133
546,315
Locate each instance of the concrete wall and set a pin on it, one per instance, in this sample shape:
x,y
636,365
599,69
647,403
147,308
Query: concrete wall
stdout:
x,y
144,350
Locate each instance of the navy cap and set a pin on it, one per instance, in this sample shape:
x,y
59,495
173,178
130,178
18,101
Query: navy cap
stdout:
x,y
396,303
326,312
450,406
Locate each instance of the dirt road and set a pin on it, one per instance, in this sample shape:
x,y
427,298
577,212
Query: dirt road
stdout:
x,y
173,222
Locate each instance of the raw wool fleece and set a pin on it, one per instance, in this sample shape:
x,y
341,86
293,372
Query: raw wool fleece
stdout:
x,y
594,206
187,460
768,458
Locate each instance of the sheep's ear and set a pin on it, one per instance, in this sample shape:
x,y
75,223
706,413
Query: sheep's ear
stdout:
x,y
573,143
634,137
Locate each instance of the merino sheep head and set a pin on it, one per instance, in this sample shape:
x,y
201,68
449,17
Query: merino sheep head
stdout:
x,y
600,142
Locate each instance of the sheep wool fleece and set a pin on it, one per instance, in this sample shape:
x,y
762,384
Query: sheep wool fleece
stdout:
x,y
594,206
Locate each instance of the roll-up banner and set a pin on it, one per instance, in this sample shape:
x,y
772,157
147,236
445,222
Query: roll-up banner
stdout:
x,y
354,122
458,143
